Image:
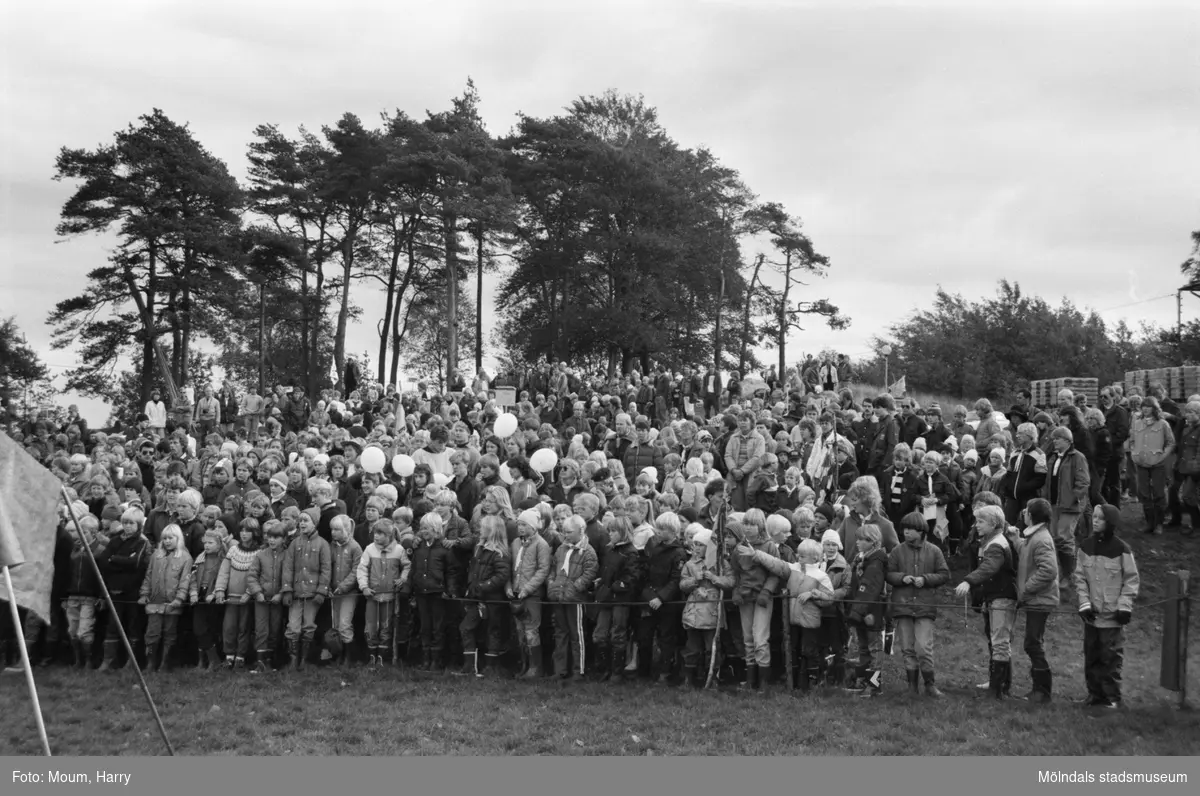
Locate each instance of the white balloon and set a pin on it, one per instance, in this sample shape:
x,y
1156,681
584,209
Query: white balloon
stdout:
x,y
403,464
441,479
505,475
372,460
505,426
544,460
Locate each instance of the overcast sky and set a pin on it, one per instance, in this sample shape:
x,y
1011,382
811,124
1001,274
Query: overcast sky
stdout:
x,y
1053,144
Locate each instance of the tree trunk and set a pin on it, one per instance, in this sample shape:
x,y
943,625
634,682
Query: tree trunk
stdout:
x,y
262,326
148,352
185,331
339,340
479,297
746,315
450,230
783,322
173,316
385,331
305,324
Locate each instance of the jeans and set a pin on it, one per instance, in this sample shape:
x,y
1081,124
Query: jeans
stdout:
x,y
343,616
916,642
665,624
268,618
869,647
1103,654
1063,526
302,620
529,625
1002,615
494,616
1152,493
612,627
698,648
81,618
1035,632
378,625
432,610
806,647
162,627
237,628
756,632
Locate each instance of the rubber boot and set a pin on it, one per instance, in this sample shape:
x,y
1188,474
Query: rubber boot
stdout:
x,y
168,658
601,667
201,659
931,688
470,663
294,652
873,683
305,646
489,663
914,682
616,664
152,658
534,671
214,658
385,656
80,659
1043,685
261,657
752,677
110,654
1007,679
996,679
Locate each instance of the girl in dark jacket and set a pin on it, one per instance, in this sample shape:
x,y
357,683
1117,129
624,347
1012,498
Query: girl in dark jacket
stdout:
x,y
865,609
431,572
618,582
487,575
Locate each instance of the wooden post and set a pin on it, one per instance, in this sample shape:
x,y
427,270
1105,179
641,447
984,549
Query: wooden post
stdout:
x,y
1176,618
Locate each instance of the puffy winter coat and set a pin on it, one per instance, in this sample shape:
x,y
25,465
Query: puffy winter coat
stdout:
x,y
379,569
867,580
1037,569
924,561
431,568
123,563
838,571
488,574
1106,579
571,578
751,578
205,570
801,578
266,573
996,576
620,574
344,559
167,579
663,569
703,588
307,567
531,566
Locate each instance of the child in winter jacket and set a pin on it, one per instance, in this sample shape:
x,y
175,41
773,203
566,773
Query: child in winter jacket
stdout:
x,y
754,595
865,608
164,592
307,570
833,621
916,568
264,582
618,582
207,613
431,573
702,581
810,590
1106,580
488,574
83,592
344,557
383,573
530,569
570,583
232,591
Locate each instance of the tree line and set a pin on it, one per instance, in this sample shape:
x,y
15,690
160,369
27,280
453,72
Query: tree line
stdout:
x,y
615,246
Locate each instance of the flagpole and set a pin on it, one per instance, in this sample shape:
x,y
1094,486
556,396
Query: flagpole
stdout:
x,y
115,621
17,630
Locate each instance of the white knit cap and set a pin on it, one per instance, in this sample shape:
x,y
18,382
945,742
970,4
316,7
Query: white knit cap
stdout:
x,y
530,518
831,535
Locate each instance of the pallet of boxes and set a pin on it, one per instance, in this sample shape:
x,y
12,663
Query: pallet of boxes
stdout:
x,y
1044,392
1179,382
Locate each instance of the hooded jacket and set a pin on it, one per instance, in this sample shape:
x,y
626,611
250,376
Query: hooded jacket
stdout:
x,y
1106,577
1037,569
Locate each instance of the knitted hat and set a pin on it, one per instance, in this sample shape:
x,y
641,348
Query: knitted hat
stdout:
x,y
280,478
111,513
530,518
1062,432
135,484
826,511
831,535
997,449
971,456
314,513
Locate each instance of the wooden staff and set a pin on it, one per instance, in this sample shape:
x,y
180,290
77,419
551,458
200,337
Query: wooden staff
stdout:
x,y
712,658
25,664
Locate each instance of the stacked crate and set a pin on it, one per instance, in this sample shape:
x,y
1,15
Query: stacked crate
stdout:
x,y
1045,391
1180,382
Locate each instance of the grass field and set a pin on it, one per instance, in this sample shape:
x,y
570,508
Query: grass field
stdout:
x,y
398,712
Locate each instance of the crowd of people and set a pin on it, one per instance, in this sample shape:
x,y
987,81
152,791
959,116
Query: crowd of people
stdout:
x,y
605,528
